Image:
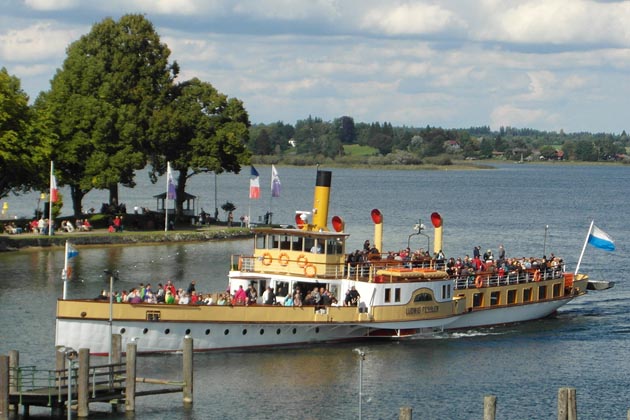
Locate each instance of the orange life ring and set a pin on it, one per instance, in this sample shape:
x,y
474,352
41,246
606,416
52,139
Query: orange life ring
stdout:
x,y
283,259
478,282
537,276
302,261
313,273
267,258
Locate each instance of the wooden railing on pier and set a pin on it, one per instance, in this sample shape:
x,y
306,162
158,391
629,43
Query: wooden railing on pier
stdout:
x,y
81,383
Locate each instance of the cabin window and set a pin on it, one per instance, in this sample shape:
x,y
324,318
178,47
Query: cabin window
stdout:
x,y
423,297
388,295
542,292
334,246
281,289
477,300
495,298
308,244
275,242
297,243
446,291
557,290
511,296
397,294
153,315
285,242
261,241
527,295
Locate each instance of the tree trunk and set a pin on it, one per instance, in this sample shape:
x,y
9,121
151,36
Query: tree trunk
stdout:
x,y
113,195
77,200
181,190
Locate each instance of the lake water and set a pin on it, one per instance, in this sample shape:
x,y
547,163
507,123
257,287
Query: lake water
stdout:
x,y
530,209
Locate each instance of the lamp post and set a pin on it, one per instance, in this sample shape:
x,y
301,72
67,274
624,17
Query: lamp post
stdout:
x,y
361,354
70,355
111,313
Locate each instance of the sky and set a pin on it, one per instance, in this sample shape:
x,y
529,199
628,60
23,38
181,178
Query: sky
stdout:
x,y
545,64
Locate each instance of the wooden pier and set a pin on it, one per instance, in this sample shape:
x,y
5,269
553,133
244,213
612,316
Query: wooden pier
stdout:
x,y
75,383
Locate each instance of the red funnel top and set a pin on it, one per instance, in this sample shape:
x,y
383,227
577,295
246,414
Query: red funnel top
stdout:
x,y
377,217
436,219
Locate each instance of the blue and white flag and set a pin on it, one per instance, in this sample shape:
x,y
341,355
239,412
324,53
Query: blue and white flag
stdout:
x,y
275,182
171,190
72,251
600,239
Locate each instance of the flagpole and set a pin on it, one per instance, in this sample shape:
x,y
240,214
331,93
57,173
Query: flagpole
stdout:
x,y
50,200
64,275
168,171
590,229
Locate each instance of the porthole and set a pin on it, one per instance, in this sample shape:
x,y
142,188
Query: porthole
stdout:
x,y
167,331
245,331
187,331
262,331
317,330
83,314
294,331
146,330
278,331
122,330
208,332
226,332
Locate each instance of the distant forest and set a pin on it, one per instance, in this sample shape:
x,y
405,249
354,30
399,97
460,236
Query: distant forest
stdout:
x,y
313,140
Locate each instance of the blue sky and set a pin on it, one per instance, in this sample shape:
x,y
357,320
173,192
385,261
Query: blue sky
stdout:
x,y
543,64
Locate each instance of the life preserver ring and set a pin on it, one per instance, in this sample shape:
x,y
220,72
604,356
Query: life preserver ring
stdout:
x,y
302,261
310,270
478,282
283,259
537,276
267,258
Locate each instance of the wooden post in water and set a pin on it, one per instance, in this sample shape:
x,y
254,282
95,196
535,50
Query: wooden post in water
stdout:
x,y
567,404
130,385
406,413
116,348
83,390
489,407
14,365
187,369
4,387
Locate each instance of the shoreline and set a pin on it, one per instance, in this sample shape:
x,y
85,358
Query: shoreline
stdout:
x,y
102,237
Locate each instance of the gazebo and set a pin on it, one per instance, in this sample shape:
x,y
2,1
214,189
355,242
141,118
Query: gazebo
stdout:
x,y
188,206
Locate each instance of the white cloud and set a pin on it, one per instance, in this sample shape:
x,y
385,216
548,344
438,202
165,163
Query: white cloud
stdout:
x,y
409,18
512,116
38,42
49,5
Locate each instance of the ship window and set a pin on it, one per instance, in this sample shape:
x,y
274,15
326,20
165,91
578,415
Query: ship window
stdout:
x,y
262,331
144,331
226,332
207,332
281,289
511,296
495,298
167,331
285,242
261,241
275,241
278,331
334,246
297,243
122,330
153,315
294,331
527,294
187,332
245,331
388,295
542,292
397,294
423,297
446,291
317,330
308,244
557,290
477,300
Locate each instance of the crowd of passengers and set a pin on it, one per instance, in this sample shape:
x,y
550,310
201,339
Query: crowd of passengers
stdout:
x,y
460,268
170,295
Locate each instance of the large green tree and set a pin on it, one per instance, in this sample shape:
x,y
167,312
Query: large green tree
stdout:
x,y
22,157
199,130
101,102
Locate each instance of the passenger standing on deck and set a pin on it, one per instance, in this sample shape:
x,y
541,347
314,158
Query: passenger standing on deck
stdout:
x,y
477,252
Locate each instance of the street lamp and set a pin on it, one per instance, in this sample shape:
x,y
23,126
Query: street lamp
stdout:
x,y
361,354
70,355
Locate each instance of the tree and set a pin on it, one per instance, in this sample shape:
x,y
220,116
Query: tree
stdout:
x,y
198,130
22,157
101,102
